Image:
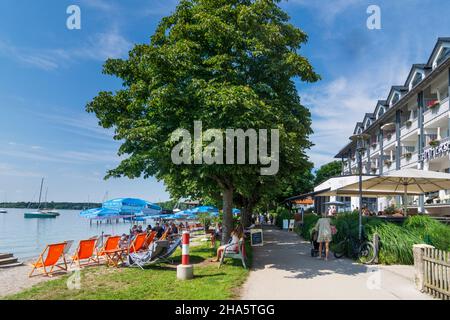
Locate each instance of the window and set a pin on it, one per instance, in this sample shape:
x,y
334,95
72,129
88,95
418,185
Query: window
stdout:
x,y
395,98
380,112
445,53
368,123
417,78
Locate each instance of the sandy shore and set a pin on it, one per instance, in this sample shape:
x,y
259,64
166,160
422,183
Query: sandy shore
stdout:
x,y
14,280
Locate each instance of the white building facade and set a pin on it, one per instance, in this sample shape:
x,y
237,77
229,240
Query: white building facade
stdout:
x,y
409,129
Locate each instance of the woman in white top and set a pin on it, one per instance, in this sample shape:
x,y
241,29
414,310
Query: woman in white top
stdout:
x,y
236,235
323,227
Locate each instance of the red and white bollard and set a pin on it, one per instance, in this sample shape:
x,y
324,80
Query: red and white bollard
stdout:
x,y
185,248
185,271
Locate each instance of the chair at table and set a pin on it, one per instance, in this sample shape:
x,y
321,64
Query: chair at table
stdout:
x,y
235,252
86,252
49,259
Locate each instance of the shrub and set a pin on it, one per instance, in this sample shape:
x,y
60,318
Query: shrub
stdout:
x,y
282,213
431,231
309,221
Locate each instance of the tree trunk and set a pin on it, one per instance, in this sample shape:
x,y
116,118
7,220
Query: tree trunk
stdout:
x,y
227,223
246,215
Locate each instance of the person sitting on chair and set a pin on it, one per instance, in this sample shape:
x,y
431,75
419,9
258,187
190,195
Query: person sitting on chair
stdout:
x,y
236,235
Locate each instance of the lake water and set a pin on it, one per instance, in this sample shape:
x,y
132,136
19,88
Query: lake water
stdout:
x,y
26,238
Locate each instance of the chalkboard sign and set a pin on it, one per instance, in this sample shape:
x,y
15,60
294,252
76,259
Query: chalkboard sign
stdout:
x,y
256,236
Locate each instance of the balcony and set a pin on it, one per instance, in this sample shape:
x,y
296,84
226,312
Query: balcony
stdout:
x,y
434,109
409,126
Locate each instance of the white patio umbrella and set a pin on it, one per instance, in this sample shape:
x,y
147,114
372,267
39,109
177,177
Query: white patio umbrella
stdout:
x,y
407,181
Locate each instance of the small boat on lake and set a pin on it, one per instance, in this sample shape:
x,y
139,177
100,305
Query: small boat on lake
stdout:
x,y
41,213
3,211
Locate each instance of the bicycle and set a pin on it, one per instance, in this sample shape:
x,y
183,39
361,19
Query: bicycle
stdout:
x,y
362,250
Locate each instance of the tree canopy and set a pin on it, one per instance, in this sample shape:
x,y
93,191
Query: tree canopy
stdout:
x,y
226,63
327,171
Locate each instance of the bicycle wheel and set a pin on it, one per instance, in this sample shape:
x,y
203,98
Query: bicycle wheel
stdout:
x,y
366,252
340,249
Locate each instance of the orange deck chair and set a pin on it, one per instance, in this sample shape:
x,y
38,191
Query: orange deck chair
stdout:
x,y
49,259
138,243
86,251
164,235
149,240
111,251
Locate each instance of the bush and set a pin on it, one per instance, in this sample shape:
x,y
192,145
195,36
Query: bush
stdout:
x,y
431,231
309,221
282,213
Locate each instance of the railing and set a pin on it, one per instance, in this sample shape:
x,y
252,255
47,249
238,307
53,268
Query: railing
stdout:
x,y
407,151
432,270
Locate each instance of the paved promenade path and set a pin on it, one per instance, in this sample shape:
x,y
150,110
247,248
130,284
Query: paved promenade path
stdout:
x,y
284,269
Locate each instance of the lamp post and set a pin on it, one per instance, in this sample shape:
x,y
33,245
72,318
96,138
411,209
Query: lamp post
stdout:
x,y
360,140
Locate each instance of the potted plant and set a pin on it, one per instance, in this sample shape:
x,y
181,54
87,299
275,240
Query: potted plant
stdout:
x,y
387,162
389,136
434,143
374,145
408,123
408,155
374,170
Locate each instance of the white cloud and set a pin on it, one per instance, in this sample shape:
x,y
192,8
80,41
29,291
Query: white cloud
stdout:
x,y
12,171
327,10
338,104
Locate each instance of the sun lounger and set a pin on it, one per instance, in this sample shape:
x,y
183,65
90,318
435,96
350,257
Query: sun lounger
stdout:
x,y
137,244
159,251
111,251
164,235
86,252
149,240
49,259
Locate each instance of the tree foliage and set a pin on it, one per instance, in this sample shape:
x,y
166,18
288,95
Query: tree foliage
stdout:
x,y
227,63
327,171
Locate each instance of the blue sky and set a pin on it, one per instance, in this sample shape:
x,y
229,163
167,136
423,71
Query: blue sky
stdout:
x,y
49,73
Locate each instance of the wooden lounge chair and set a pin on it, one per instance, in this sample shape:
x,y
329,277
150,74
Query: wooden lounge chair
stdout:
x,y
138,243
49,259
235,252
86,251
111,251
164,235
149,240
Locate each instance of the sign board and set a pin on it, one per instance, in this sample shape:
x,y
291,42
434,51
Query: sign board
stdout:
x,y
256,237
435,152
285,224
291,225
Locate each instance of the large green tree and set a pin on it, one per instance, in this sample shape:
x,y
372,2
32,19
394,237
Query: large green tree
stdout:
x,y
226,63
327,171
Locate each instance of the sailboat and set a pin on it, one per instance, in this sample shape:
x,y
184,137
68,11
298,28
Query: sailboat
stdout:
x,y
40,214
45,210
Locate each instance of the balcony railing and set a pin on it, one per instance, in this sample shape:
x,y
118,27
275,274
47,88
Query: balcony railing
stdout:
x,y
407,151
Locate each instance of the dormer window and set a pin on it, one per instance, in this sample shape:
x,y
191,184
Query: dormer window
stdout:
x,y
416,79
360,130
395,98
380,112
368,124
444,54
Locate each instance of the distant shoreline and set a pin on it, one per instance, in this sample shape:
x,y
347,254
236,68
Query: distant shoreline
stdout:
x,y
50,205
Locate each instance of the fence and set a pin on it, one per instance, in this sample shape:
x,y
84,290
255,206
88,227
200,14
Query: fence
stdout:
x,y
432,271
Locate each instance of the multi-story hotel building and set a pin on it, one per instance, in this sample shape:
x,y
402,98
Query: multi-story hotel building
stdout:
x,y
410,128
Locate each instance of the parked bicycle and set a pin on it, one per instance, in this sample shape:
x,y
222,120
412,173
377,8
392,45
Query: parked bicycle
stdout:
x,y
362,250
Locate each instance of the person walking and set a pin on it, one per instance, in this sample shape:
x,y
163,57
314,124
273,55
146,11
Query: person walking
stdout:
x,y
323,227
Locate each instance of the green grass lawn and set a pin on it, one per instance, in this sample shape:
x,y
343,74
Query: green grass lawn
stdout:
x,y
156,282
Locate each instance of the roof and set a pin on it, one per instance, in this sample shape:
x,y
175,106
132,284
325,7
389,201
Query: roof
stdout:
x,y
436,48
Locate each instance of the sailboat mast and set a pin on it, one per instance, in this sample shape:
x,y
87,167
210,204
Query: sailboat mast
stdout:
x,y
40,193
